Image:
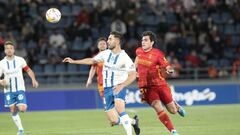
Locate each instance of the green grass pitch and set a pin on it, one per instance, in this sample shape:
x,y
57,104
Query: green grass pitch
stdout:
x,y
200,120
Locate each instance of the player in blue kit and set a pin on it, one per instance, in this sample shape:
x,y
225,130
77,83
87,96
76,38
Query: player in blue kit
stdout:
x,y
11,67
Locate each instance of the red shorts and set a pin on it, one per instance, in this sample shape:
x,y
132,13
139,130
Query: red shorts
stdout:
x,y
162,93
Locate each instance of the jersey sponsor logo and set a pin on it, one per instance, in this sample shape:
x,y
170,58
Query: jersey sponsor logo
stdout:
x,y
144,62
113,67
12,72
112,59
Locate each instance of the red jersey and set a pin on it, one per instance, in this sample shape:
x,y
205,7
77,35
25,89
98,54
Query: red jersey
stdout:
x,y
149,66
99,68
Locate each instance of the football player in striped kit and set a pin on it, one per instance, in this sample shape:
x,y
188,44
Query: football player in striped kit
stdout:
x,y
11,66
118,72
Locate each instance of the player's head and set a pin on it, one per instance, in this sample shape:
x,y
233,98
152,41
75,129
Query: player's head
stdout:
x,y
102,44
9,48
148,40
114,39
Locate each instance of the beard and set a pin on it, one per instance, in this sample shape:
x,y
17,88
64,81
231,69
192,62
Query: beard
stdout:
x,y
9,54
111,47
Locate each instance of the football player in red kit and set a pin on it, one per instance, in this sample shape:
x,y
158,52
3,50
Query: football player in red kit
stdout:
x,y
152,67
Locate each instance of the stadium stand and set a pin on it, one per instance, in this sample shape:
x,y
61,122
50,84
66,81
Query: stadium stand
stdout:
x,y
195,34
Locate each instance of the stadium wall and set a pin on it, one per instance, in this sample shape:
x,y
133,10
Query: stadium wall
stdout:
x,y
89,99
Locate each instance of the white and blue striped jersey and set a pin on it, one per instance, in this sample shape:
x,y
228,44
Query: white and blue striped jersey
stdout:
x,y
115,67
12,70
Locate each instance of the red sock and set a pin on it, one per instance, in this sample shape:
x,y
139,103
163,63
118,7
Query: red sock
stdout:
x,y
163,117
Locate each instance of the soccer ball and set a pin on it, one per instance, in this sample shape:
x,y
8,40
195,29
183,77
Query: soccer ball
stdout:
x,y
53,15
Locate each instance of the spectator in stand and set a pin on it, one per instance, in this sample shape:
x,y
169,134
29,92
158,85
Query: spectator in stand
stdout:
x,y
223,73
236,68
183,26
177,67
20,50
158,7
11,38
56,40
212,71
189,5
174,63
2,41
27,31
119,25
192,59
83,17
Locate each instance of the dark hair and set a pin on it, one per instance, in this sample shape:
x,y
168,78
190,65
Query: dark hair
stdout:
x,y
101,39
151,35
9,43
117,35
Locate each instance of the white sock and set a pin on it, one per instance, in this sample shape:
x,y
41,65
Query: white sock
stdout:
x,y
126,122
17,121
132,121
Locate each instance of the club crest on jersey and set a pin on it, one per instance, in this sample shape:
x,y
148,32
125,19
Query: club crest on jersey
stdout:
x,y
20,97
112,58
132,66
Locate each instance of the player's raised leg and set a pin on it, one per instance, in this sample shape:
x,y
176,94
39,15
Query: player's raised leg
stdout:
x,y
114,119
171,105
111,104
162,115
125,119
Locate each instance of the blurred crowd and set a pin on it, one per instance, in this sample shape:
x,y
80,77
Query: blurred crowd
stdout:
x,y
192,33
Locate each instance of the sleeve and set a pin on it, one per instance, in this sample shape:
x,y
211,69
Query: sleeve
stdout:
x,y
24,65
99,56
137,51
130,66
162,60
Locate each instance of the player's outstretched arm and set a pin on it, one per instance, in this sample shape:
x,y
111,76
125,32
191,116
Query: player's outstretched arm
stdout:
x,y
86,61
33,78
91,75
130,79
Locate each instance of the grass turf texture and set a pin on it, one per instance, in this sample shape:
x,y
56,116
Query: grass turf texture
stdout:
x,y
200,120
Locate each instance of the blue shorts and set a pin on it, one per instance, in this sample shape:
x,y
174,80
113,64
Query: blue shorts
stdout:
x,y
12,98
110,97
